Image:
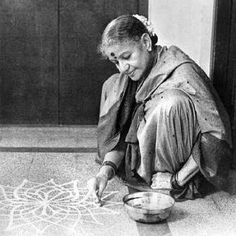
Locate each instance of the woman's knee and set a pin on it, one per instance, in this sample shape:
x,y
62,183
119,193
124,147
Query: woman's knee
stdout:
x,y
170,104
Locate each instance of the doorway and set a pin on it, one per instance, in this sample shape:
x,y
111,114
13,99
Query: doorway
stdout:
x,y
223,66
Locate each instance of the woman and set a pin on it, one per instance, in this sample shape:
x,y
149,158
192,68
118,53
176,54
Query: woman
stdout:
x,y
161,123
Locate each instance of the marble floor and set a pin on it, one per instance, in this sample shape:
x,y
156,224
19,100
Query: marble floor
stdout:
x,y
44,163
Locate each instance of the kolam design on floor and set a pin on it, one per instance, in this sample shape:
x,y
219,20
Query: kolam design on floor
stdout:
x,y
43,205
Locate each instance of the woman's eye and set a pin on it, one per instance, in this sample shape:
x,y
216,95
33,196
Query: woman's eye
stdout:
x,y
126,57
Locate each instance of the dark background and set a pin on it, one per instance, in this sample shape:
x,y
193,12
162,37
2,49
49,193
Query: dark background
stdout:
x,y
223,66
50,72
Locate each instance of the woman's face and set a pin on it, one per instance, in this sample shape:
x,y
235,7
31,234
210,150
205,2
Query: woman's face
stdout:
x,y
131,57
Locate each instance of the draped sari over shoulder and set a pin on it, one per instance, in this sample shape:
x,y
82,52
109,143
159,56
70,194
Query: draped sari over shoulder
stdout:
x,y
125,115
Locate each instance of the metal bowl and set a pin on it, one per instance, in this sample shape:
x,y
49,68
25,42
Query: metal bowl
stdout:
x,y
148,207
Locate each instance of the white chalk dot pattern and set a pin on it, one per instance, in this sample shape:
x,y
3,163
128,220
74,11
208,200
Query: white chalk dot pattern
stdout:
x,y
43,205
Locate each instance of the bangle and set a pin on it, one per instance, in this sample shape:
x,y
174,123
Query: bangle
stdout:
x,y
112,165
174,183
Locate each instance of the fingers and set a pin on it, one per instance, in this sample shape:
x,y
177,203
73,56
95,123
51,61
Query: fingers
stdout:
x,y
101,188
92,187
96,186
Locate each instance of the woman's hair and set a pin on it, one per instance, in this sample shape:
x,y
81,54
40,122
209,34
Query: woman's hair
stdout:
x,y
123,28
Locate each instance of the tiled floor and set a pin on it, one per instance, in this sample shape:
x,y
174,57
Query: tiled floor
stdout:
x,y
67,154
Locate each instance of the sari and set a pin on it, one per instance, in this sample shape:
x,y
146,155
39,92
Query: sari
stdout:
x,y
173,113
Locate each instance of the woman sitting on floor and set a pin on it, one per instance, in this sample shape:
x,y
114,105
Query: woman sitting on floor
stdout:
x,y
161,123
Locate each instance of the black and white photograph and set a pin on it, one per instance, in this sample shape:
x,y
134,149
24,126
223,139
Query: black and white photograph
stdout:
x,y
117,117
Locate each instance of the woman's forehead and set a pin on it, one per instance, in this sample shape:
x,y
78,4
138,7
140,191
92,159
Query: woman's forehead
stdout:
x,y
117,49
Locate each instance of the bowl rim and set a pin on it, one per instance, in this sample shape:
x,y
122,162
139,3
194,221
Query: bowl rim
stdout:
x,y
131,196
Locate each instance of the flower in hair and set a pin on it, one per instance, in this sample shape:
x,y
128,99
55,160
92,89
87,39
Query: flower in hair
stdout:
x,y
146,22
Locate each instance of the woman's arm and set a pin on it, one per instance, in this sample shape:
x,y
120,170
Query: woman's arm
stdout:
x,y
97,184
115,157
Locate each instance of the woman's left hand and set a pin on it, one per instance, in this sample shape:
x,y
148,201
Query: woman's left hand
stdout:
x,y
161,180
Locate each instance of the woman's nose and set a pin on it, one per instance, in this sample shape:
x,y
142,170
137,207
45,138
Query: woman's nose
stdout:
x,y
123,67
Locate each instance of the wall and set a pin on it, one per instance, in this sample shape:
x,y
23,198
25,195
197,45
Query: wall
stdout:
x,y
50,71
28,61
186,24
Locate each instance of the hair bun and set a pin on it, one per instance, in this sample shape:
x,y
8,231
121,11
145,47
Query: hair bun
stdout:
x,y
146,23
154,39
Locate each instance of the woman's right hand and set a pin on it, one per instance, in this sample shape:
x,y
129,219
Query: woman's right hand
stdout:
x,y
96,186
